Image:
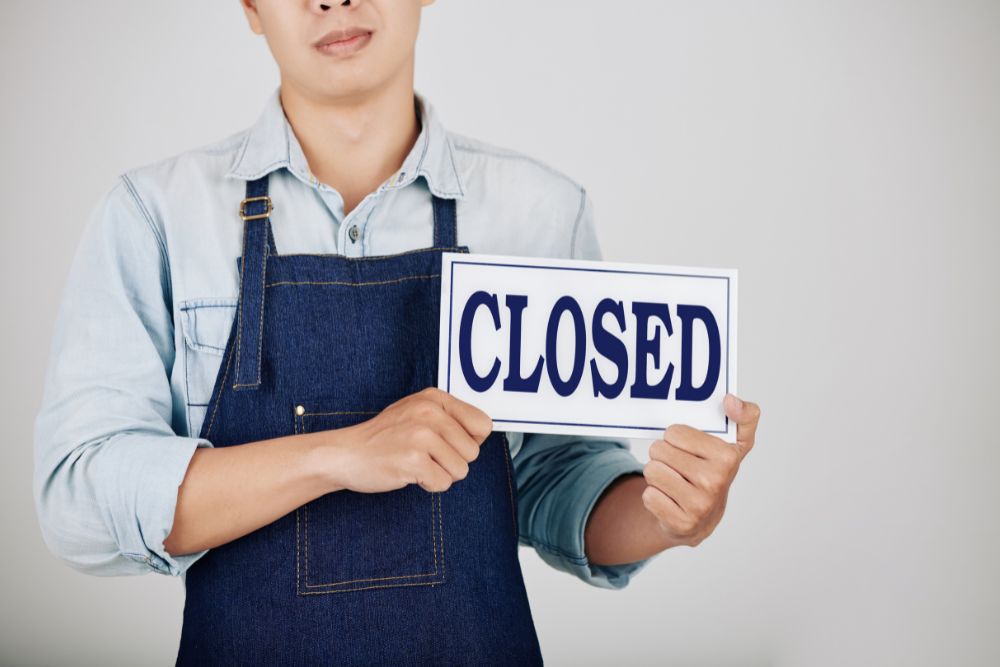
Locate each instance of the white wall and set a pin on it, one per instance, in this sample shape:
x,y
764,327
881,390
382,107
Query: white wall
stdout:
x,y
844,156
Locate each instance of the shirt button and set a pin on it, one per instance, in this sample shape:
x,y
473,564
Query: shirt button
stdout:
x,y
353,233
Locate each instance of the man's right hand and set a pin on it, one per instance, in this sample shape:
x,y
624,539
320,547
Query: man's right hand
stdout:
x,y
426,438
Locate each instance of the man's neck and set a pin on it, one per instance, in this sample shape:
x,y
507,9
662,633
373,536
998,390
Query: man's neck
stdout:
x,y
354,145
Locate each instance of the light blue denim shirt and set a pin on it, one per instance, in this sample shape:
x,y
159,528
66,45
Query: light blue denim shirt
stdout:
x,y
151,295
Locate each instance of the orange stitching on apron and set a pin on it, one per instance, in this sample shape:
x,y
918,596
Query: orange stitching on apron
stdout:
x,y
352,284
441,531
369,257
510,489
298,565
365,588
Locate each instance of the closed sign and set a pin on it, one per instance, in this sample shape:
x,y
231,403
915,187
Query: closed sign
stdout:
x,y
585,347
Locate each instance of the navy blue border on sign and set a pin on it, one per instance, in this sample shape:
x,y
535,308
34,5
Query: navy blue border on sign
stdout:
x,y
451,299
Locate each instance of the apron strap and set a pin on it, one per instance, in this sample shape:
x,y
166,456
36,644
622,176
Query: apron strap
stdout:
x,y
258,244
445,228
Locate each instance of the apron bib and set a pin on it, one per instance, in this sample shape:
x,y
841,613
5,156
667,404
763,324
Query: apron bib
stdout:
x,y
324,341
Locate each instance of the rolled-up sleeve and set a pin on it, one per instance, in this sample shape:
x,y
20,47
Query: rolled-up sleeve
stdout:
x,y
107,462
559,480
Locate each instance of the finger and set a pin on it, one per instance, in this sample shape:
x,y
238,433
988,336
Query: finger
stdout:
x,y
448,458
663,507
476,422
670,482
457,437
687,464
431,476
746,414
691,440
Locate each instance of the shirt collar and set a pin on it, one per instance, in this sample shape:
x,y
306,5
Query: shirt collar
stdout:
x,y
270,144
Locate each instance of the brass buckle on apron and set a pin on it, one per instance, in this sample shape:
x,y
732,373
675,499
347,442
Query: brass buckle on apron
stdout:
x,y
270,207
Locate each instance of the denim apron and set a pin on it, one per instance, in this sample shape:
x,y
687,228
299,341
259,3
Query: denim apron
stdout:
x,y
405,577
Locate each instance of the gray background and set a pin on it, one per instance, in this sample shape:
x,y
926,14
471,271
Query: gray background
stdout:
x,y
844,156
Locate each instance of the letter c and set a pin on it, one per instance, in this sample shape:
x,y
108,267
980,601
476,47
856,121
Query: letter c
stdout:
x,y
475,381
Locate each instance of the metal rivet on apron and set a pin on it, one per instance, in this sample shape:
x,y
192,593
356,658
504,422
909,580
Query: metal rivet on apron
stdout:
x,y
353,232
299,410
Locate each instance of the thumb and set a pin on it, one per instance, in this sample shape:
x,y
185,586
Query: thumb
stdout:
x,y
746,416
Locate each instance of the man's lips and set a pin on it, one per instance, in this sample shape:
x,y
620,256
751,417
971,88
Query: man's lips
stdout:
x,y
341,35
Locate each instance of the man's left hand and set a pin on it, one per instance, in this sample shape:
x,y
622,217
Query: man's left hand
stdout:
x,y
690,471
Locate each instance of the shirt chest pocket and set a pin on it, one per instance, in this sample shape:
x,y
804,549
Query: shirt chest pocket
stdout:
x,y
205,325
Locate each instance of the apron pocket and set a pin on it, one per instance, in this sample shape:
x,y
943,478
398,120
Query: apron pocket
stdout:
x,y
352,541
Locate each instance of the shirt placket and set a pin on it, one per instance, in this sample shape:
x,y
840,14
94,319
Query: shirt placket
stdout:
x,y
351,231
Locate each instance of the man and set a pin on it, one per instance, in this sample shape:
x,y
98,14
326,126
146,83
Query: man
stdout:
x,y
268,429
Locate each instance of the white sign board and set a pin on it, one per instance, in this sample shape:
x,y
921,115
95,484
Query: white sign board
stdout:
x,y
585,347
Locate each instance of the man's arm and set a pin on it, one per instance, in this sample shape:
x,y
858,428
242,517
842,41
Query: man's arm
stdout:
x,y
107,462
559,480
620,528
117,491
